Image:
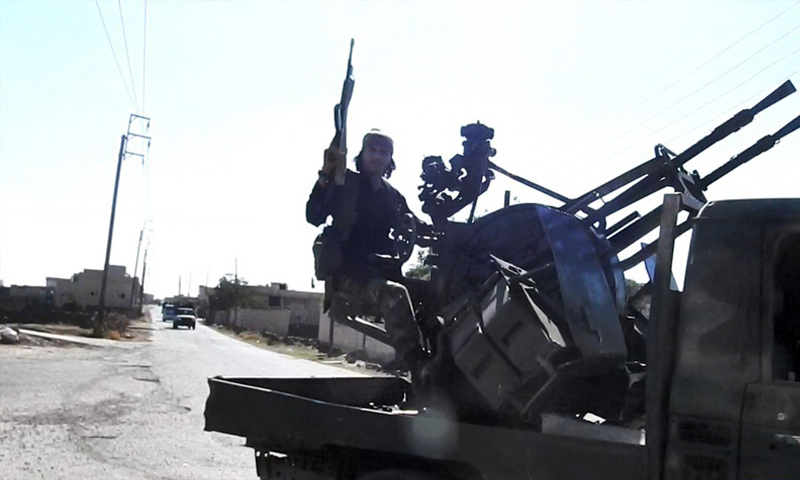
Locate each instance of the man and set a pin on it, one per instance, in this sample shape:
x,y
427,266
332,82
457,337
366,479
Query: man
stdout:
x,y
362,259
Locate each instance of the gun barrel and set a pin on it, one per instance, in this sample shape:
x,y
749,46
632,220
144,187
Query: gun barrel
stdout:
x,y
786,89
344,103
788,128
340,117
761,146
350,57
735,123
527,182
730,126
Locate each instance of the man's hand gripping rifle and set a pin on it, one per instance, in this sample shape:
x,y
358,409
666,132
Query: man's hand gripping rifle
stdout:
x,y
338,150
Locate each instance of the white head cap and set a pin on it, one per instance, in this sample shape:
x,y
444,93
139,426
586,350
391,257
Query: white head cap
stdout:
x,y
376,132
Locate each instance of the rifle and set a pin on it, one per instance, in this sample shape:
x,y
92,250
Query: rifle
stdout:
x,y
340,119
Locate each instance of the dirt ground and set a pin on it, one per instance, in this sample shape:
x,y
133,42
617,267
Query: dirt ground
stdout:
x,y
296,350
308,352
140,330
31,341
137,330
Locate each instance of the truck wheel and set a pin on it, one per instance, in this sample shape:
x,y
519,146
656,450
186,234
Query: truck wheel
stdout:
x,y
398,475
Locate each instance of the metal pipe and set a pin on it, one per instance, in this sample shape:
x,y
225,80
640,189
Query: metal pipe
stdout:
x,y
660,342
528,183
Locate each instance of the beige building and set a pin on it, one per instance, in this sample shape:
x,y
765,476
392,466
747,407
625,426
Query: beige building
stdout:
x,y
83,289
276,309
347,340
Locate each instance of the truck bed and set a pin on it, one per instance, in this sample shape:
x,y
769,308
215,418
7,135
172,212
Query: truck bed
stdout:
x,y
361,415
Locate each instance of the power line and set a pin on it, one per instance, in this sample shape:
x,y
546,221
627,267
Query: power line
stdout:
x,y
724,116
144,57
711,59
125,38
113,52
608,122
146,184
640,124
60,214
727,113
704,105
203,221
726,93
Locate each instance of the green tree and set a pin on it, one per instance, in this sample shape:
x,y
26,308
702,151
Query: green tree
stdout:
x,y
631,286
229,293
420,269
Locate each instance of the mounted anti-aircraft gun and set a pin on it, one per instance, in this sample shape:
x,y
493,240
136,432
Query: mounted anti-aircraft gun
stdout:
x,y
527,320
532,297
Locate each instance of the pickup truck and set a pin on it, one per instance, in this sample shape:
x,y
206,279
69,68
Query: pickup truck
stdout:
x,y
185,317
543,369
722,390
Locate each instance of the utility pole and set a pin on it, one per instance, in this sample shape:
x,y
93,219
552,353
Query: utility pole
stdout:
x,y
205,302
141,286
189,290
99,324
135,271
236,282
180,282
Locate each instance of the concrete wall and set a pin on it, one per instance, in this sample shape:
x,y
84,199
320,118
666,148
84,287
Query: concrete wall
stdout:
x,y
305,315
275,321
222,318
31,293
304,310
348,340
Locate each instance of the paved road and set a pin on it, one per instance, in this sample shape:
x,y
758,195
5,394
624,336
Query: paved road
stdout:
x,y
132,413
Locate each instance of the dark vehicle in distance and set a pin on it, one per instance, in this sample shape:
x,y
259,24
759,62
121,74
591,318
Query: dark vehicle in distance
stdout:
x,y
168,312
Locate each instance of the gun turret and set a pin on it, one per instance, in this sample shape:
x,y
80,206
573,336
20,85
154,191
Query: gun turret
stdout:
x,y
448,189
532,296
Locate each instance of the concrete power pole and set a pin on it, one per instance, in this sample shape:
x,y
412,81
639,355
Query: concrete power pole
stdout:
x,y
135,271
236,301
99,324
141,286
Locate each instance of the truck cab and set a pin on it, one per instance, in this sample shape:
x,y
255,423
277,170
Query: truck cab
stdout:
x,y
734,395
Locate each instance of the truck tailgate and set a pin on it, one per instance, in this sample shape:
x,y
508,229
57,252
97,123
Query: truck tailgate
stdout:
x,y
308,414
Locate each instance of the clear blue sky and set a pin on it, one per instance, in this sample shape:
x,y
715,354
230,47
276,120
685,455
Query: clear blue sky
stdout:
x,y
241,96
